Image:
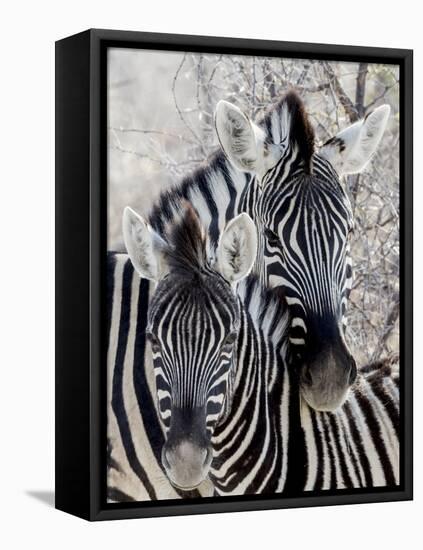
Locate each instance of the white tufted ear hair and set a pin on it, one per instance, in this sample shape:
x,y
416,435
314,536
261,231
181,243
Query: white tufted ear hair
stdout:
x,y
237,248
241,140
352,148
145,247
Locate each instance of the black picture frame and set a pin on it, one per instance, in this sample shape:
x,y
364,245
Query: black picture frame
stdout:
x,y
81,200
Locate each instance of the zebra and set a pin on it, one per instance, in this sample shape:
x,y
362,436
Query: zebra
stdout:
x,y
230,406
134,431
304,221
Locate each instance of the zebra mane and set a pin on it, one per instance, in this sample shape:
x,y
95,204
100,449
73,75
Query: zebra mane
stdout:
x,y
186,252
202,180
288,117
285,118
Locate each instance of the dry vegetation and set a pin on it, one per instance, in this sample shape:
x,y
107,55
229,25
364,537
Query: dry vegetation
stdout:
x,y
161,126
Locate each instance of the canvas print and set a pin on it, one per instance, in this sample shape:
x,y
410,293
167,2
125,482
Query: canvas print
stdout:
x,y
252,276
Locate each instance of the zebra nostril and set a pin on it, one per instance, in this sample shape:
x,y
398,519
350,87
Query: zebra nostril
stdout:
x,y
208,458
165,460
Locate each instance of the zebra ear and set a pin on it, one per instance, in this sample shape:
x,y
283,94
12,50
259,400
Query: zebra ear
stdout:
x,y
145,247
241,140
237,248
351,149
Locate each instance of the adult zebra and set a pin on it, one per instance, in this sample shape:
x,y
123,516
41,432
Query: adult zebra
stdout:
x,y
304,220
230,406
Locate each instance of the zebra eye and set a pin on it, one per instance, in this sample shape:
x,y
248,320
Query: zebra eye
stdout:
x,y
230,339
152,338
271,236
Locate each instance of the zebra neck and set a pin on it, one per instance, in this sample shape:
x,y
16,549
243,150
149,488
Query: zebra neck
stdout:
x,y
249,446
261,349
214,190
267,312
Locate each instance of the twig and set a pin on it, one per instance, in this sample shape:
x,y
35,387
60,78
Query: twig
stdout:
x,y
346,102
380,96
389,326
157,132
178,109
153,159
360,88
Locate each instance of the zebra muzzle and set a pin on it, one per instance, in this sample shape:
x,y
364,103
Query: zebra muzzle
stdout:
x,y
186,464
325,381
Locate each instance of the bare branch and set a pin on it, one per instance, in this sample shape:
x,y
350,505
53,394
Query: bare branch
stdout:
x,y
360,89
155,160
346,102
180,137
178,109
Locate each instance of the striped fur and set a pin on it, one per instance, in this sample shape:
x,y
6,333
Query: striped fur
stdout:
x,y
304,220
217,191
134,468
304,224
358,445
306,450
214,190
316,273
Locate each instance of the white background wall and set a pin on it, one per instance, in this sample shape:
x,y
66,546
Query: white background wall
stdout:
x,y
27,36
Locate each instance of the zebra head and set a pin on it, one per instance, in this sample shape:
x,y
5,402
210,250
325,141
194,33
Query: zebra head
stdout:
x,y
193,323
304,220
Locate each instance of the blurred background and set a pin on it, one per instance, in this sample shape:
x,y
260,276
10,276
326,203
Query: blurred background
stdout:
x,y
160,127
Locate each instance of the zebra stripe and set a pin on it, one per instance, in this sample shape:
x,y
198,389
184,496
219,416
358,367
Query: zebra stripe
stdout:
x,y
362,438
214,191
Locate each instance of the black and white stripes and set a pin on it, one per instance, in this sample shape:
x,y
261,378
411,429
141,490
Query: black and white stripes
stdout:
x,y
357,446
304,219
135,433
259,435
235,375
214,191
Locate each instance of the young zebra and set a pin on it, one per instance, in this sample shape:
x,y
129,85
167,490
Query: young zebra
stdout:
x,y
230,407
304,220
135,432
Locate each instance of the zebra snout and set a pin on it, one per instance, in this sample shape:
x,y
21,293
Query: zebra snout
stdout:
x,y
325,381
186,464
307,374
